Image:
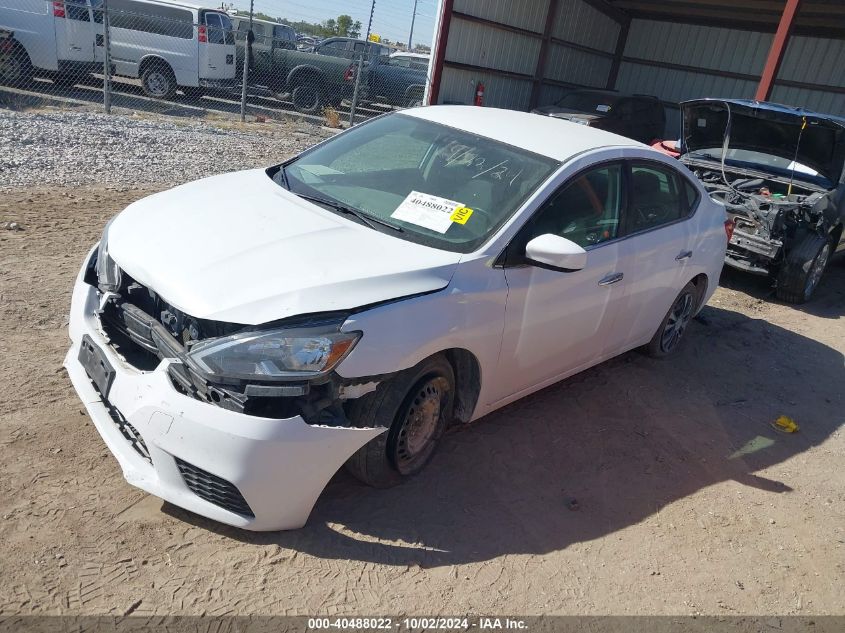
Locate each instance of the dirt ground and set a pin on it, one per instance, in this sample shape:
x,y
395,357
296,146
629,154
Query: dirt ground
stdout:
x,y
687,500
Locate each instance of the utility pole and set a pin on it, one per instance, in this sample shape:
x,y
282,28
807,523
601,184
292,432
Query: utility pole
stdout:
x,y
370,23
411,34
360,70
247,48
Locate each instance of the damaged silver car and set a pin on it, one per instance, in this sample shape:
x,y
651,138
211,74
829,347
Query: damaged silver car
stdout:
x,y
778,171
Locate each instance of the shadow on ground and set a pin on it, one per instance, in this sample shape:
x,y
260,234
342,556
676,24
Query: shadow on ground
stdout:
x,y
592,455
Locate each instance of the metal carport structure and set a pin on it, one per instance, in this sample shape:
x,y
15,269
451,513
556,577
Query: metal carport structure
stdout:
x,y
528,53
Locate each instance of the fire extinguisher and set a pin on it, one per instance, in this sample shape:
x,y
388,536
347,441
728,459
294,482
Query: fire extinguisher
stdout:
x,y
479,94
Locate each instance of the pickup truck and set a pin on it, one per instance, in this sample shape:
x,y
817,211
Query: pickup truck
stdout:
x,y
309,80
397,81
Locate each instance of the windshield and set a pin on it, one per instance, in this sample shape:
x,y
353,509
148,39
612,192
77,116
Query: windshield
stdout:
x,y
585,101
442,187
764,161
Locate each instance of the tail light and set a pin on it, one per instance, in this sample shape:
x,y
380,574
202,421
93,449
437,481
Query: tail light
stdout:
x,y
59,9
729,228
202,33
349,75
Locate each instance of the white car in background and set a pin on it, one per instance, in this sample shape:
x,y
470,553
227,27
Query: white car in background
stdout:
x,y
237,339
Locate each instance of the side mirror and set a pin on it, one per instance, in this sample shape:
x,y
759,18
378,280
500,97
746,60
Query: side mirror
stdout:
x,y
556,252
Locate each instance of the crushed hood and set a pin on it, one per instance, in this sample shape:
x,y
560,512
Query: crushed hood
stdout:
x,y
241,249
768,128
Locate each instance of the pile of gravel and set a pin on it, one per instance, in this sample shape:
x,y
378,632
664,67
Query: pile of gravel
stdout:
x,y
88,148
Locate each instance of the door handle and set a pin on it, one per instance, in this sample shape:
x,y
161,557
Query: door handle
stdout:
x,y
612,278
683,255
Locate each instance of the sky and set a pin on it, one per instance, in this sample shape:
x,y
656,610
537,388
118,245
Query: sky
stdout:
x,y
391,19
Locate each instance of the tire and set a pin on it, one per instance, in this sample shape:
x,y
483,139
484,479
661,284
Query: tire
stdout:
x,y
158,81
803,267
416,406
668,336
307,99
15,67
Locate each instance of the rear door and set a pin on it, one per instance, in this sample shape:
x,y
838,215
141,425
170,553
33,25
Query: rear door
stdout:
x,y
75,30
217,53
659,245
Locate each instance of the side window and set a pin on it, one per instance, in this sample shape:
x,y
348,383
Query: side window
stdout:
x,y
585,210
657,197
77,10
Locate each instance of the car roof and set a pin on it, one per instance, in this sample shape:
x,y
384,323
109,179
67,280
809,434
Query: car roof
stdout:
x,y
187,4
245,18
539,134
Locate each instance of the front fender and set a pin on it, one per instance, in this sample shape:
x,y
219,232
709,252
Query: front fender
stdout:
x,y
468,314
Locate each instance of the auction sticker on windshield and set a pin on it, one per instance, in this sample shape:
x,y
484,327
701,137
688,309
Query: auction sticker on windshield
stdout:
x,y
431,212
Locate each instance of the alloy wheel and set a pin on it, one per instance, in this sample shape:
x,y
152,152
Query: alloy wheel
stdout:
x,y
679,318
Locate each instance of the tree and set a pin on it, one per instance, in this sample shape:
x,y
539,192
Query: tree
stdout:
x,y
344,23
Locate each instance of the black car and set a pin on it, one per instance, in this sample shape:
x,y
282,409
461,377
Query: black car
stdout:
x,y
640,117
779,172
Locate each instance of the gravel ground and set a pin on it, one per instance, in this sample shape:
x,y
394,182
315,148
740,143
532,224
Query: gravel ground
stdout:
x,y
54,147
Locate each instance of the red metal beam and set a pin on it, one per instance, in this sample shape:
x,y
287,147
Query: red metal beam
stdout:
x,y
770,71
440,57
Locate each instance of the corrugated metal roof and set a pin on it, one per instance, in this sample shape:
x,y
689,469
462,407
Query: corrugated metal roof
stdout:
x,y
481,45
525,14
679,85
710,47
814,60
578,22
577,67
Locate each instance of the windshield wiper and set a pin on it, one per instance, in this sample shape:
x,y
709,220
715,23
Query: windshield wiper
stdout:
x,y
367,219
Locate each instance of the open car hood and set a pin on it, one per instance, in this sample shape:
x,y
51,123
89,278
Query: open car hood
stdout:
x,y
768,128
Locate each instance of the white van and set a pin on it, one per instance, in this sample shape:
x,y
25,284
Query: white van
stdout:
x,y
58,36
171,44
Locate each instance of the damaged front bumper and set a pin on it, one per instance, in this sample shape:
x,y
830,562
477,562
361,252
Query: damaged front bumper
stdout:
x,y
251,472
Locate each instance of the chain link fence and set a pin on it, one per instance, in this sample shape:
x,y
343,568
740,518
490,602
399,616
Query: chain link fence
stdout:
x,y
160,54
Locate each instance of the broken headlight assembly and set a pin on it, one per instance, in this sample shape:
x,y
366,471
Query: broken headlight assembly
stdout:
x,y
272,355
108,272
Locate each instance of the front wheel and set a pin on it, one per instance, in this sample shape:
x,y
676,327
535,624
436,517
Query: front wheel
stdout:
x,y
803,267
416,406
668,336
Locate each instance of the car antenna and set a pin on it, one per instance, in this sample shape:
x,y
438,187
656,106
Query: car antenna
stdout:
x,y
795,158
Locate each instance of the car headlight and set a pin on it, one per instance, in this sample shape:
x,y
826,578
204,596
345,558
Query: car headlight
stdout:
x,y
108,272
272,354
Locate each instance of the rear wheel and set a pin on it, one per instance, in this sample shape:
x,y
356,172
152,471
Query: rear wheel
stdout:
x,y
803,267
668,336
307,99
15,67
158,81
416,406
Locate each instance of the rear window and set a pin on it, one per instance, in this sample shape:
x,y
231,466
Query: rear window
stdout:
x,y
151,18
219,28
285,33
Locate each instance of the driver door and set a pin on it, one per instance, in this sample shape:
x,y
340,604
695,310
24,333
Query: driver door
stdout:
x,y
558,322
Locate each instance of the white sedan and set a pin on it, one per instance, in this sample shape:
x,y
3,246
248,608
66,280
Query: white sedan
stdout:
x,y
237,339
